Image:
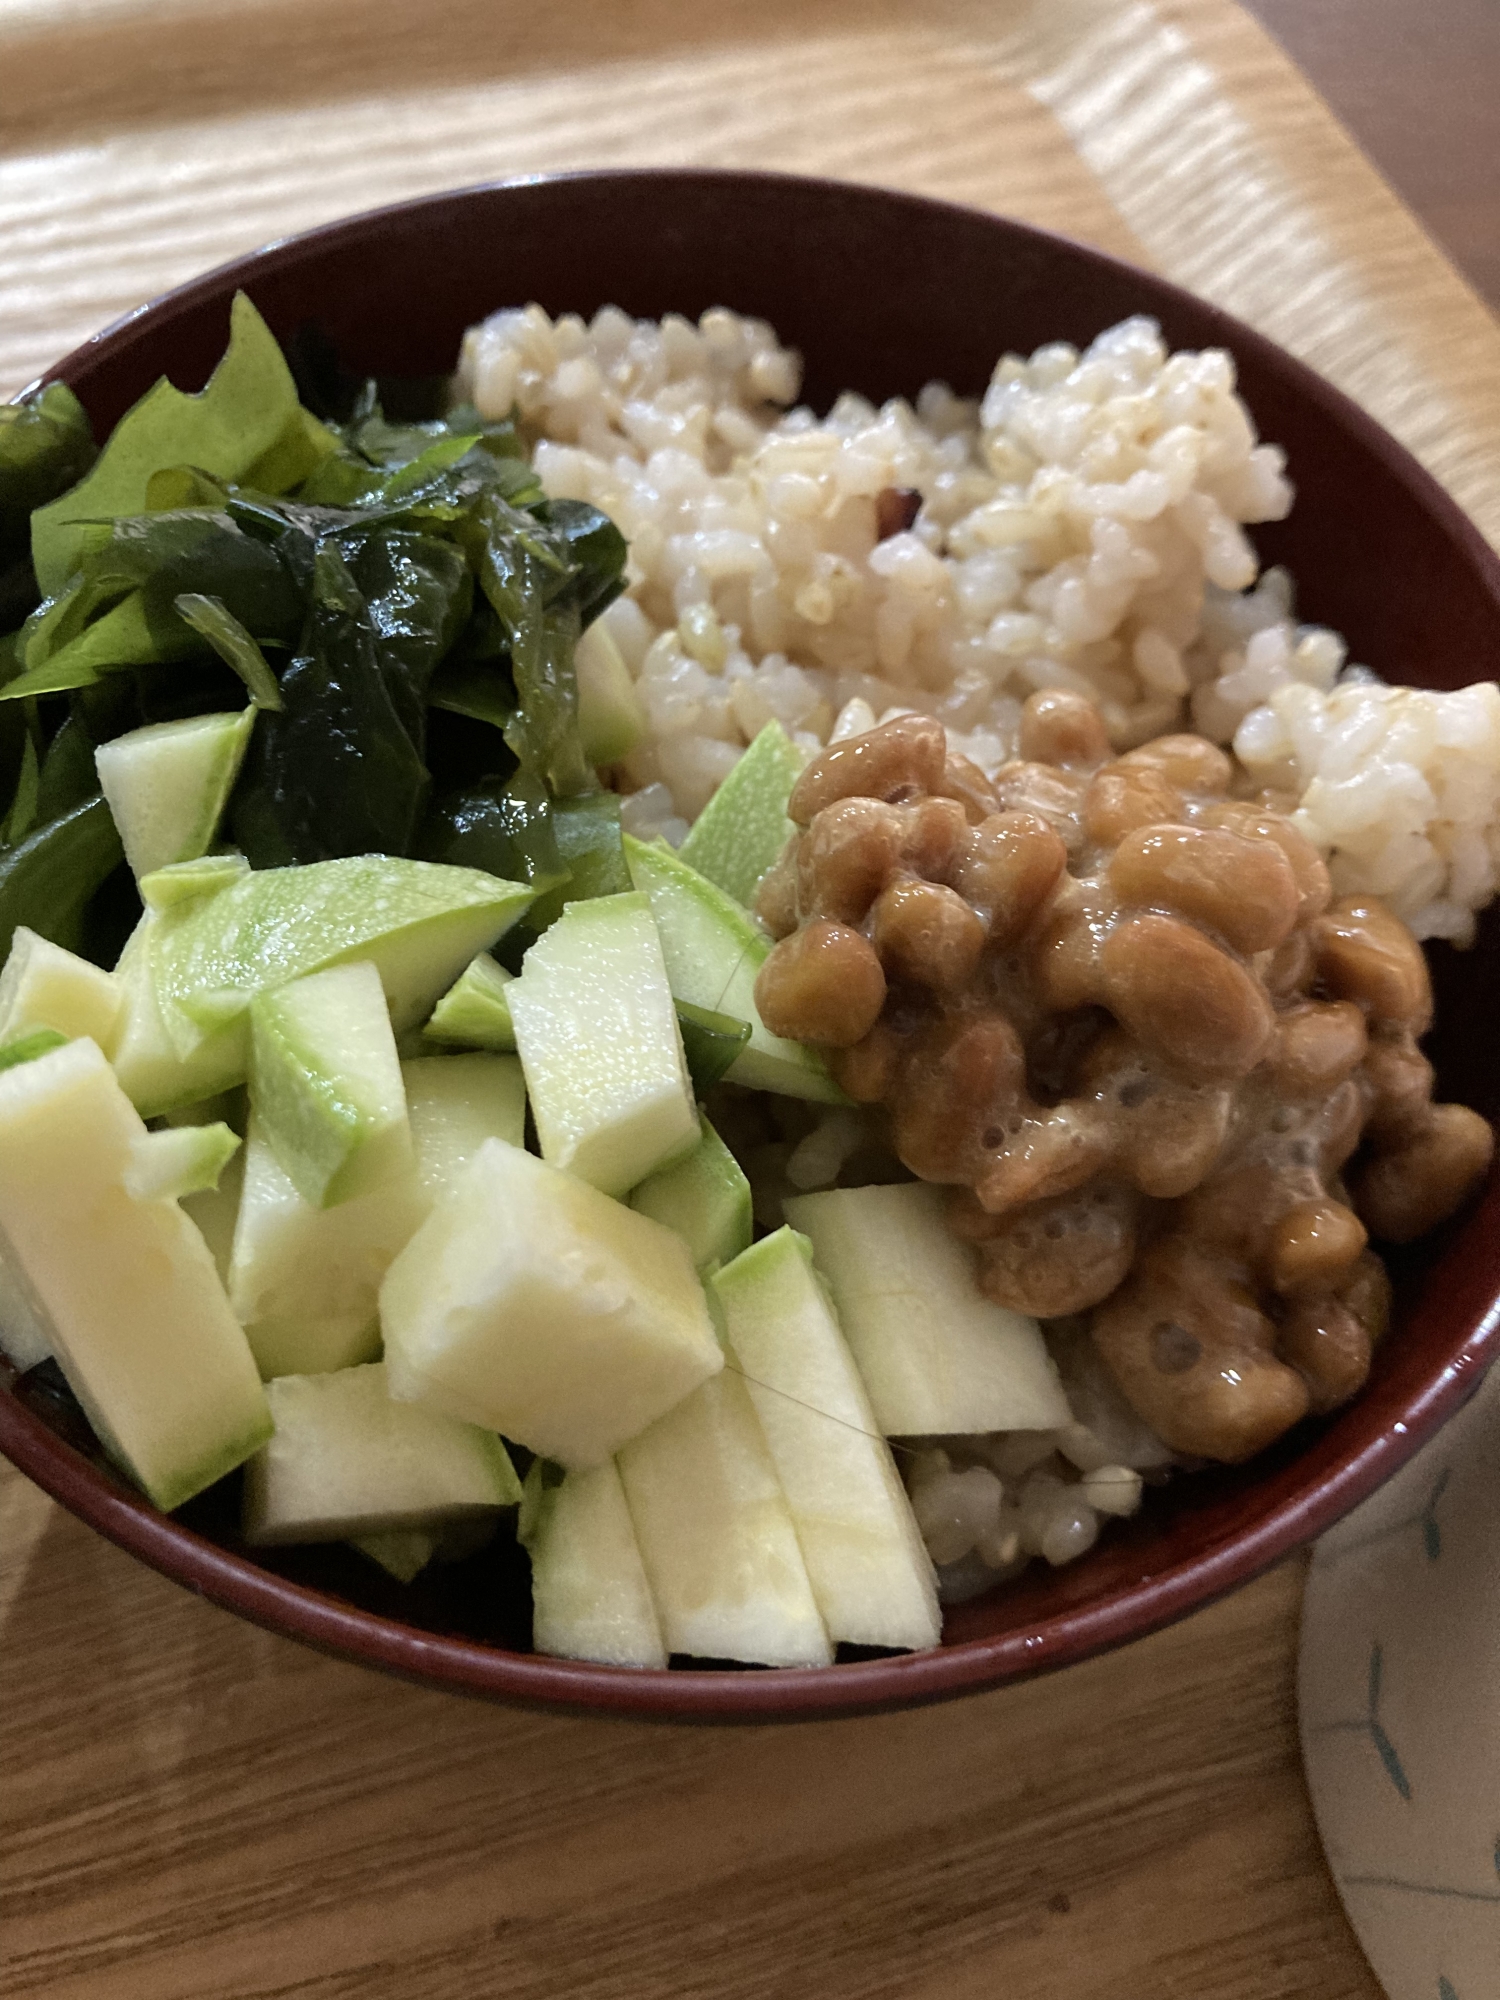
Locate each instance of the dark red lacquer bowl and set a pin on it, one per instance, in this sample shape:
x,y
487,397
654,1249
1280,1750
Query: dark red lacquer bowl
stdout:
x,y
881,292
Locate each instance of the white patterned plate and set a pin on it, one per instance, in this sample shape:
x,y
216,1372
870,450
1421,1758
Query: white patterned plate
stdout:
x,y
1400,1709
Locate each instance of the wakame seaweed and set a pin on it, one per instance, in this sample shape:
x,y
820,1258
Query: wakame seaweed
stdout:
x,y
46,446
49,878
340,768
120,610
394,593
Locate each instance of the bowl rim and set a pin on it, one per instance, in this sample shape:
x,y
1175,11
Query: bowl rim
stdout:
x,y
1129,1611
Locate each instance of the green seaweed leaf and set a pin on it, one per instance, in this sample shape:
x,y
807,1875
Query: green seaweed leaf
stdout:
x,y
248,405
295,456
46,446
212,620
418,592
428,596
342,769
545,572
122,609
503,825
476,689
711,1042
21,817
589,848
68,772
48,881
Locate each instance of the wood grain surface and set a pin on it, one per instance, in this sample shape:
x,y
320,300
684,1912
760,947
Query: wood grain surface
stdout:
x,y
193,1810
196,1811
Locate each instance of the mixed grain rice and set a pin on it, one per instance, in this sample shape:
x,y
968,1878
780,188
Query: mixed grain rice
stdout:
x,y
1081,527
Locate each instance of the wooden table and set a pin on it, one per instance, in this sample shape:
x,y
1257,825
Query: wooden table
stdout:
x,y
191,1810
1416,88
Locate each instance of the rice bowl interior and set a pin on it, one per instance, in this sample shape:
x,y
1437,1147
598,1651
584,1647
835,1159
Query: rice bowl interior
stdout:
x,y
750,602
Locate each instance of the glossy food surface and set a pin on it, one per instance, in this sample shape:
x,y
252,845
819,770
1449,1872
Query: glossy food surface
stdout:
x,y
1379,553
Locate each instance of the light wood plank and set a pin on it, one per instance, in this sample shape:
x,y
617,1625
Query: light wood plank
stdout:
x,y
195,1811
139,147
